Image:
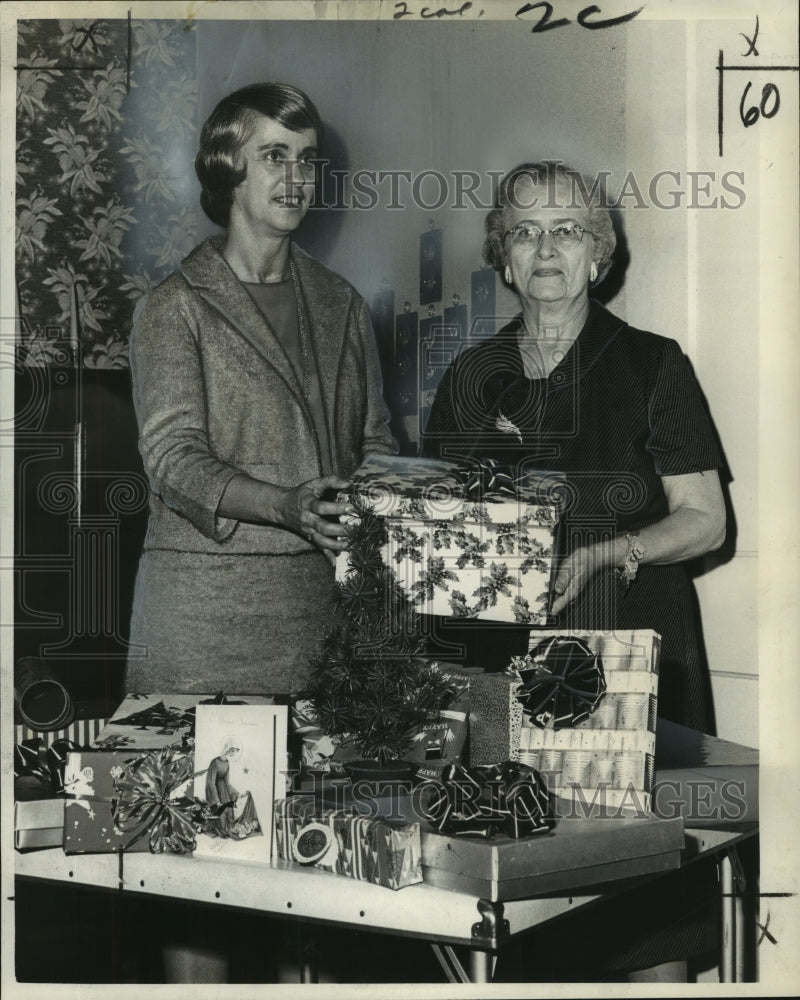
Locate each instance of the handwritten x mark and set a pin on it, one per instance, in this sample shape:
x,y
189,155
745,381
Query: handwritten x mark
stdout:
x,y
764,932
751,41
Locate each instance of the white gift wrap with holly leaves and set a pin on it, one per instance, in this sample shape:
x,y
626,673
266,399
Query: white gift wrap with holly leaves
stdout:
x,y
458,552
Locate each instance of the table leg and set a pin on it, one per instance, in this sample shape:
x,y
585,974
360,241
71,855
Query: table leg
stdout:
x,y
480,966
727,964
309,967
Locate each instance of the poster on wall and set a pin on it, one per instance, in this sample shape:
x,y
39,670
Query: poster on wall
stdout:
x,y
573,229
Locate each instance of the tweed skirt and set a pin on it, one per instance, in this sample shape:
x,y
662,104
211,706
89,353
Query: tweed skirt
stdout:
x,y
243,624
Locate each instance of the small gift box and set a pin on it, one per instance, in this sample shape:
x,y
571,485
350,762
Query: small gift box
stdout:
x,y
462,542
38,823
39,792
312,747
130,801
581,709
346,843
495,718
442,739
439,743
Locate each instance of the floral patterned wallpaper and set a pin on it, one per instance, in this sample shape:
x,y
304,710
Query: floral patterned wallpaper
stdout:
x,y
106,132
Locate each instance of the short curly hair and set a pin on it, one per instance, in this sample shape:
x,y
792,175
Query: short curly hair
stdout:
x,y
229,126
587,193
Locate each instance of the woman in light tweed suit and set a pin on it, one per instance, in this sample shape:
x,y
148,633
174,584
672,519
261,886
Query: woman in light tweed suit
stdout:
x,y
257,390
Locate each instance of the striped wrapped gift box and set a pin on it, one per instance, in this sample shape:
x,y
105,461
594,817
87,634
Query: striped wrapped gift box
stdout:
x,y
602,763
81,731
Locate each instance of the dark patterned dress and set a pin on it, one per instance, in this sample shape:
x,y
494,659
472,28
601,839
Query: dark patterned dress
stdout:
x,y
620,410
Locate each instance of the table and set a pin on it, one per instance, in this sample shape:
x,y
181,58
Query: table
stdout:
x,y
443,917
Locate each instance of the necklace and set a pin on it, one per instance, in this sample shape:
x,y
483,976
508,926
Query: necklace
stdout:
x,y
304,347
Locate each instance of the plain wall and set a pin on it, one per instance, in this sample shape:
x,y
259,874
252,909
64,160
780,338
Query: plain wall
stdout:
x,y
693,275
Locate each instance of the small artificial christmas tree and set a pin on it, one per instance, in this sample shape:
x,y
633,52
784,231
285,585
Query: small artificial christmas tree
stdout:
x,y
371,681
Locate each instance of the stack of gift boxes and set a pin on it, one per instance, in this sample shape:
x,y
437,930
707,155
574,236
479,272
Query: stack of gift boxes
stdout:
x,y
39,761
598,757
574,719
476,542
159,777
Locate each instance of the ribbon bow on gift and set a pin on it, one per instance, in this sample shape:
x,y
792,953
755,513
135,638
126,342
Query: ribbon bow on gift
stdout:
x,y
149,806
562,682
505,798
487,475
46,764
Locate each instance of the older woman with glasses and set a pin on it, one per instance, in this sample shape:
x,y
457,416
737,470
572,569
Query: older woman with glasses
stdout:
x,y
257,389
567,386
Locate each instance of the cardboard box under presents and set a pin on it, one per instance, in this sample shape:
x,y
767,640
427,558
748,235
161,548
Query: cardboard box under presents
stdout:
x,y
346,843
579,852
89,784
604,759
457,551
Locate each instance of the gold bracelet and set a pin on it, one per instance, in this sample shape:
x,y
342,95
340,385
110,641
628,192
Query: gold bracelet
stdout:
x,y
627,572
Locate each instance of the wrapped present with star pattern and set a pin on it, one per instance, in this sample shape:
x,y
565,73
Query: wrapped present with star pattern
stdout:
x,y
473,542
130,800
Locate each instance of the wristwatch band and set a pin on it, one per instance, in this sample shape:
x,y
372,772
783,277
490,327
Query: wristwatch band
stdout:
x,y
627,572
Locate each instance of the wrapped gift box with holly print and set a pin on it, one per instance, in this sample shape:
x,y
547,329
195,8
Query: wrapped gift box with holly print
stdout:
x,y
463,542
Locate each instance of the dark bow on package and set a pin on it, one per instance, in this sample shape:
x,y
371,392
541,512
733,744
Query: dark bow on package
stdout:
x,y
39,770
489,476
562,682
483,800
153,801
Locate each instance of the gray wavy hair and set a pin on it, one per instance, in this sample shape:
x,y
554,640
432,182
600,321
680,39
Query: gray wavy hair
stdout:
x,y
588,194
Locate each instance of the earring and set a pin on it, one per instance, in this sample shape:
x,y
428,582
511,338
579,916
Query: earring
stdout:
x,y
508,275
593,272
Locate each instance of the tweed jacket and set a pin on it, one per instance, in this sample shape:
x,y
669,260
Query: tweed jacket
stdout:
x,y
215,395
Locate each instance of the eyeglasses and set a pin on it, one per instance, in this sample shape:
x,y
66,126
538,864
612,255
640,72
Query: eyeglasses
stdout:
x,y
525,234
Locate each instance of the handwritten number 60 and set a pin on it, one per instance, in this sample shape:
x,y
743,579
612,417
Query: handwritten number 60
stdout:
x,y
753,113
